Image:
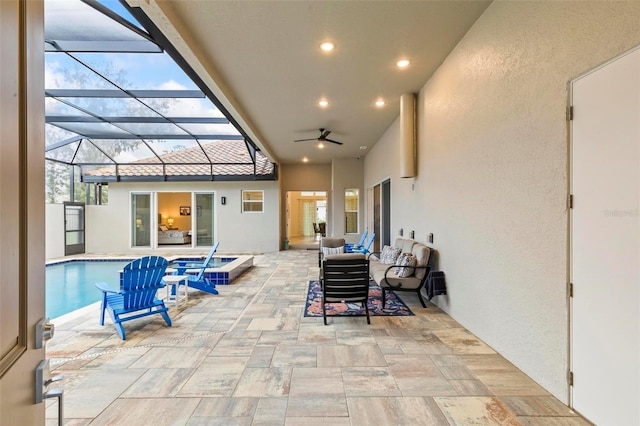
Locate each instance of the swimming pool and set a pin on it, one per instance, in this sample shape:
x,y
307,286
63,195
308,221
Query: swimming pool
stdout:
x,y
70,284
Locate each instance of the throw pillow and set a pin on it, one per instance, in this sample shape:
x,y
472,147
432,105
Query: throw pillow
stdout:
x,y
332,250
405,260
389,255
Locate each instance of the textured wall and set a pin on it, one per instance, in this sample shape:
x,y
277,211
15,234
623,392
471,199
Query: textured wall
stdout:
x,y
54,228
492,171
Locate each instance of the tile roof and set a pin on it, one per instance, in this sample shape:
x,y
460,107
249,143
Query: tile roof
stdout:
x,y
215,158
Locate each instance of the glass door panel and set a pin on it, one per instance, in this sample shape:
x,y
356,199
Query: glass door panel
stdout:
x,y
141,220
204,220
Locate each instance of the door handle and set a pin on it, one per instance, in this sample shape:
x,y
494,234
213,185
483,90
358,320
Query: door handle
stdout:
x,y
43,380
44,332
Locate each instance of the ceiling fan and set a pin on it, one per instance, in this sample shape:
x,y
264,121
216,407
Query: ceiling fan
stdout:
x,y
322,138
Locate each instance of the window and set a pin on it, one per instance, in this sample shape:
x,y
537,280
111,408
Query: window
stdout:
x,y
351,203
252,201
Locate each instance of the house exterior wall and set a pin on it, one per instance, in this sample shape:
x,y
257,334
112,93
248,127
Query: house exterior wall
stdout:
x,y
108,227
54,231
492,176
305,177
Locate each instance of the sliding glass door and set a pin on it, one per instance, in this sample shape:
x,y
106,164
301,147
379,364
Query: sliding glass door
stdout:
x,y
141,220
183,219
204,219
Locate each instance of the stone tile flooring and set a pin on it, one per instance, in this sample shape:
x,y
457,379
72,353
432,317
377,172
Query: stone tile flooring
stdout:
x,y
249,357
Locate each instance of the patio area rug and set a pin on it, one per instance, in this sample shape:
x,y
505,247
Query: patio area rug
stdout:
x,y
393,306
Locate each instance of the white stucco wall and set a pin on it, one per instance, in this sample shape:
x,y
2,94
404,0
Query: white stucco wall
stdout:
x,y
346,173
492,171
54,230
108,226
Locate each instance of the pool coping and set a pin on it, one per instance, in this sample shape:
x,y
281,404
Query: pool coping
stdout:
x,y
240,260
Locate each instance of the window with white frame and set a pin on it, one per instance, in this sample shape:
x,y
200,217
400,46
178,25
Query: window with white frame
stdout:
x,y
351,204
252,201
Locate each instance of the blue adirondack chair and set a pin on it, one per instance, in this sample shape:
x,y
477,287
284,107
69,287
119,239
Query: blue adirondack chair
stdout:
x,y
139,283
367,246
198,281
348,248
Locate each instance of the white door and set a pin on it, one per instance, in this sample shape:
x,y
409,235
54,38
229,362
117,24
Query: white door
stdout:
x,y
605,243
21,208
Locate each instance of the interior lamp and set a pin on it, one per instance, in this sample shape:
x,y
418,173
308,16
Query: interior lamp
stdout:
x,y
170,222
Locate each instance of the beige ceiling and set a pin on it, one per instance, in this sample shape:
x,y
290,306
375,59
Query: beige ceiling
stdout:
x,y
264,61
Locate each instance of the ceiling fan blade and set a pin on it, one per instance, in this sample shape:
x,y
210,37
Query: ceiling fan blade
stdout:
x,y
324,134
332,141
304,140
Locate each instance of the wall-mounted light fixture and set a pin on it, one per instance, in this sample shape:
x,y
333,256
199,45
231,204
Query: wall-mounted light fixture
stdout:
x,y
400,232
413,235
223,200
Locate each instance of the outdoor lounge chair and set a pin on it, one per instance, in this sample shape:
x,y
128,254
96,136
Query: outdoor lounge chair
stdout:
x,y
367,246
329,245
345,279
198,281
139,282
348,248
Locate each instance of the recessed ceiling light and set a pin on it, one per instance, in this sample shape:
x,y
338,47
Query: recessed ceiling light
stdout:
x,y
403,63
323,103
305,159
379,103
363,147
327,46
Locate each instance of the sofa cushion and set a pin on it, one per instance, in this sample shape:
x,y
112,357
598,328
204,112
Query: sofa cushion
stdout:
x,y
332,242
422,254
405,260
389,255
376,266
405,245
407,283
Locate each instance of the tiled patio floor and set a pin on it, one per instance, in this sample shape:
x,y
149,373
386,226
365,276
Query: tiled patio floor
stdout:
x,y
249,357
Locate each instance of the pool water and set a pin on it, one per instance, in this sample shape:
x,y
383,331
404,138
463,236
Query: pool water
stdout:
x,y
216,262
70,285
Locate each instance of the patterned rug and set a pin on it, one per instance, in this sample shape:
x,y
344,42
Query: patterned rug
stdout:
x,y
392,307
